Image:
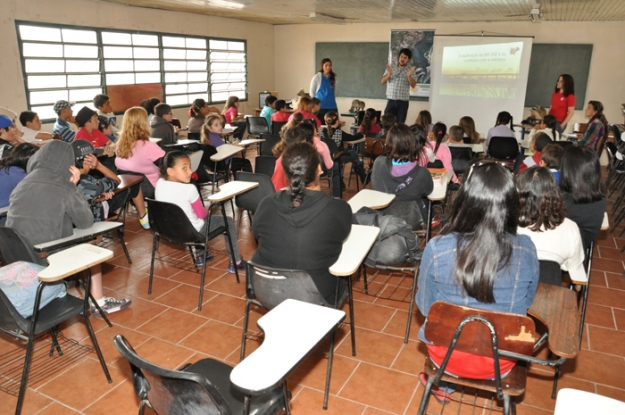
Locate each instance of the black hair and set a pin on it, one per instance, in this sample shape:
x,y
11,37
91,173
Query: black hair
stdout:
x,y
484,214
540,200
503,118
551,155
405,51
270,100
439,130
367,120
280,103
400,143
568,86
149,104
99,100
421,138
580,174
18,156
27,116
388,120
170,160
291,136
551,122
308,129
162,109
195,108
424,119
300,162
331,118
332,74
541,140
598,106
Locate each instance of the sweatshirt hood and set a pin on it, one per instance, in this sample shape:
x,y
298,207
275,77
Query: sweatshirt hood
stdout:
x,y
314,202
55,157
157,121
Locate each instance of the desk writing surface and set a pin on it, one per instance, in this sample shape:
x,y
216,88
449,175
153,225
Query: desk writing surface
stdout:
x,y
73,260
127,180
440,186
97,229
250,141
224,151
292,331
358,141
155,140
556,308
355,249
181,143
231,189
371,199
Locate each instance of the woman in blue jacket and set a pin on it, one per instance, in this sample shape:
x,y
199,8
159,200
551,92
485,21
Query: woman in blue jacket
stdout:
x,y
323,87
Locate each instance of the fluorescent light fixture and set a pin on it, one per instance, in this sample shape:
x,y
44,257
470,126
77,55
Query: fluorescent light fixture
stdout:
x,y
536,15
326,18
231,4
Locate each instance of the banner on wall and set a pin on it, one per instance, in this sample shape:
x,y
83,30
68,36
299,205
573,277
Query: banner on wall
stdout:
x,y
420,43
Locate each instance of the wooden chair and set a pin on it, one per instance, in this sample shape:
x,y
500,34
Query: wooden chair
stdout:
x,y
484,333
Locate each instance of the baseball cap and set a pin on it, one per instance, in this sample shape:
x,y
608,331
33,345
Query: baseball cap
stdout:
x,y
62,104
103,122
81,149
84,115
5,122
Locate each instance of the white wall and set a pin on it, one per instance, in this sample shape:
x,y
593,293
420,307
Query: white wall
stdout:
x,y
259,36
295,55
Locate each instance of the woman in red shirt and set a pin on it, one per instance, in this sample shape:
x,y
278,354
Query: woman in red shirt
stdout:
x,y
563,101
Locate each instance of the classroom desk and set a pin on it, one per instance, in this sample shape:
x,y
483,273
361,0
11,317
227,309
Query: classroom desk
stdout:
x,y
438,194
224,151
250,141
371,199
126,182
577,402
81,235
155,140
292,330
73,260
354,142
183,143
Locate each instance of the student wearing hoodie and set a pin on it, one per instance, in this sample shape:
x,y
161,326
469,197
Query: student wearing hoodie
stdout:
x,y
160,126
302,227
47,204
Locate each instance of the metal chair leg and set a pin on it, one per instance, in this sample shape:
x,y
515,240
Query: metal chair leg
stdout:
x,y
329,371
248,304
426,396
411,308
351,314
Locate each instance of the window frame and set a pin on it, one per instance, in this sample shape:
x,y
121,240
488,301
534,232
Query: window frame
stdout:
x,y
102,73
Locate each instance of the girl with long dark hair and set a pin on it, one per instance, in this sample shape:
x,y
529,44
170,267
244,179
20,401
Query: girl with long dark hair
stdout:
x,y
323,87
563,101
503,127
597,129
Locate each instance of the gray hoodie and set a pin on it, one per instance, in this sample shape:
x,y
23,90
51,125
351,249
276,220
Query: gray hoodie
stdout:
x,y
160,128
45,204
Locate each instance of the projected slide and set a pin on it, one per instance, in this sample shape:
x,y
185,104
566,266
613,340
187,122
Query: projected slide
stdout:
x,y
485,71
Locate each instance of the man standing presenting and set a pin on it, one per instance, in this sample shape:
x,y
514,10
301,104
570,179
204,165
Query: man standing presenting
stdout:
x,y
399,79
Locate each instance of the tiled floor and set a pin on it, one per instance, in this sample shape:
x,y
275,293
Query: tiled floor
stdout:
x,y
166,328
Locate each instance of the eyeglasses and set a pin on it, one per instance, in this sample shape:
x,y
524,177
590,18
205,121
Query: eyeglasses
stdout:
x,y
484,163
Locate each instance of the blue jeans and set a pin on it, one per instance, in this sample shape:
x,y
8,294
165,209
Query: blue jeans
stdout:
x,y
398,108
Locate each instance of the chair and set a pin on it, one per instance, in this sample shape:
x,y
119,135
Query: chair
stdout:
x,y
276,126
550,272
266,165
193,136
461,158
168,221
249,201
579,128
199,388
48,318
267,287
483,333
503,148
256,126
270,141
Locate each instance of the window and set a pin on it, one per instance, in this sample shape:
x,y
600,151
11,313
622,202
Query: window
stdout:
x,y
77,63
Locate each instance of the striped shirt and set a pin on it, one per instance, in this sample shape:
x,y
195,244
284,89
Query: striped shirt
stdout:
x,y
63,129
397,86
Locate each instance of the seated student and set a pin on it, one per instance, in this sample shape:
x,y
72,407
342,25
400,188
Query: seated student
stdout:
x,y
332,131
580,182
175,187
539,142
47,204
550,158
425,155
549,126
269,109
8,137
148,105
424,120
312,134
369,125
232,116
88,122
136,153
440,150
198,112
301,227
103,188
501,129
304,107
542,217
387,121
161,127
316,107
471,136
13,170
456,136
106,128
65,115
211,136
291,135
281,115
455,267
597,130
32,127
398,173
20,282
105,109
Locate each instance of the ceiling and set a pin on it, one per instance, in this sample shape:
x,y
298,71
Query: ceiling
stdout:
x,y
371,11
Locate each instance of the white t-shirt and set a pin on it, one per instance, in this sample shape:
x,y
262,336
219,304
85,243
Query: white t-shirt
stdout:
x,y
29,135
562,245
181,194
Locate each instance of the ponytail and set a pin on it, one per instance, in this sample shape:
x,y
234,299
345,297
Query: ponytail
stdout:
x,y
331,118
300,162
367,120
439,131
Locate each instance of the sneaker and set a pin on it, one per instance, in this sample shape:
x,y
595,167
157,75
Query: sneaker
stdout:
x,y
202,257
436,220
440,395
111,305
144,221
240,267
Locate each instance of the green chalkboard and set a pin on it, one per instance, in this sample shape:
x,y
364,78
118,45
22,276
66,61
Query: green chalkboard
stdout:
x,y
550,60
359,67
